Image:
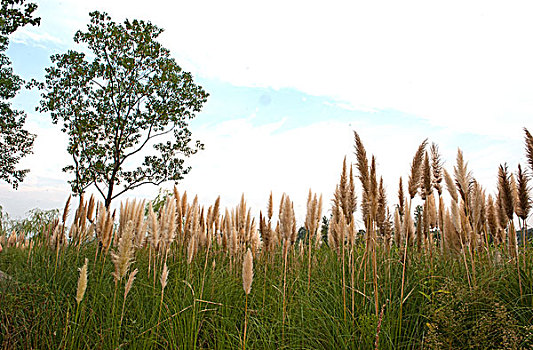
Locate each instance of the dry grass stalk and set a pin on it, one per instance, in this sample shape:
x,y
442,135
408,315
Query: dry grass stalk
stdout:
x,y
123,257
127,289
312,222
78,229
153,228
432,211
247,279
408,227
463,178
450,185
397,228
266,234
167,224
426,185
436,165
502,218
270,209
416,170
286,222
374,191
132,211
523,205
82,283
401,199
492,219
378,329
164,277
104,227
506,191
383,217
529,148
129,284
247,272
163,280
192,249
66,210
364,175
478,216
507,202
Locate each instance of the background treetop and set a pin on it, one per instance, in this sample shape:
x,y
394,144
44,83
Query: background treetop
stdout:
x,y
112,106
15,141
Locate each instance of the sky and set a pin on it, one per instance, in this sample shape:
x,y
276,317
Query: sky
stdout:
x,y
289,82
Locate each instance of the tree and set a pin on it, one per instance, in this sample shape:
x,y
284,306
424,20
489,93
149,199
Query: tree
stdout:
x,y
114,106
15,142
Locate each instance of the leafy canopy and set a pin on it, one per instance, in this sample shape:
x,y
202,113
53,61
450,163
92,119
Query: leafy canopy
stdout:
x,y
15,142
113,106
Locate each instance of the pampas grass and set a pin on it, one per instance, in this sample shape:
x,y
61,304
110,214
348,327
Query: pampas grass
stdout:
x,y
436,166
247,279
416,169
474,230
529,148
523,205
82,283
127,289
123,256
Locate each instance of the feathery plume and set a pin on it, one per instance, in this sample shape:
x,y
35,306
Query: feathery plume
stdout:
x,y
492,218
362,163
90,208
164,277
192,248
408,227
505,191
381,217
524,201
153,227
66,210
248,272
129,284
416,169
436,165
463,177
450,185
426,185
123,257
82,283
364,176
265,233
529,148
270,210
432,211
397,227
401,199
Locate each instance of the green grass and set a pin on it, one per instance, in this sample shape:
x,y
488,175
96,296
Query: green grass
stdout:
x,y
441,309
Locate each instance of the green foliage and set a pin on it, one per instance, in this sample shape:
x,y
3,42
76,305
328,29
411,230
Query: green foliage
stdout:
x,y
34,222
159,201
4,221
115,105
471,318
203,303
324,229
15,142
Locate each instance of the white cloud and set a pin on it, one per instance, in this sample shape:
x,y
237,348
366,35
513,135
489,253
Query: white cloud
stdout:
x,y
241,157
41,39
466,66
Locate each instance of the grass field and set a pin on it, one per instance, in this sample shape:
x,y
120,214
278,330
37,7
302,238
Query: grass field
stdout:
x,y
173,274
